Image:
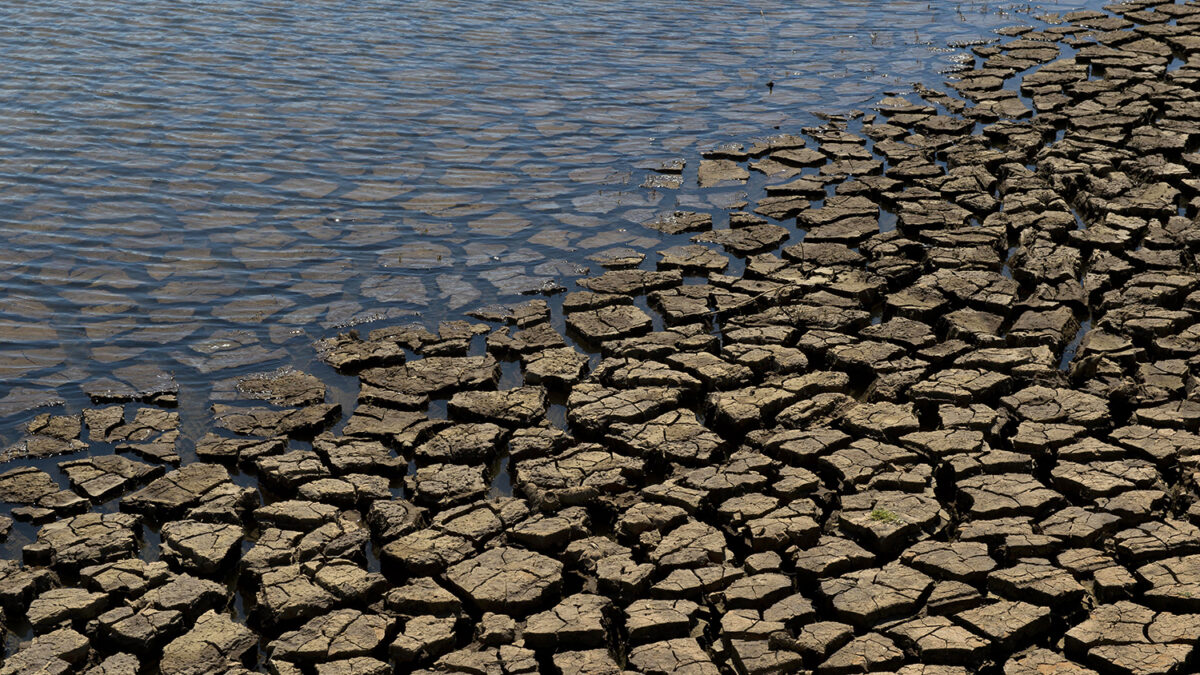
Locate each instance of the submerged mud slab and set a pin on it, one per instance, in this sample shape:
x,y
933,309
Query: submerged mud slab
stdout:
x,y
941,421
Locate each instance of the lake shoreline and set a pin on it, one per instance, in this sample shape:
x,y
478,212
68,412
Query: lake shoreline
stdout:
x,y
924,407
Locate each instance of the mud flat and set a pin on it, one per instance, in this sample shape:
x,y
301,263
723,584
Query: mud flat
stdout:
x,y
941,420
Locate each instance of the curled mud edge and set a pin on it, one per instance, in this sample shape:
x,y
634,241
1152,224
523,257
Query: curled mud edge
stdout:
x,y
947,428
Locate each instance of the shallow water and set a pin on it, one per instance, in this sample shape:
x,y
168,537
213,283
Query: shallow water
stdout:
x,y
202,189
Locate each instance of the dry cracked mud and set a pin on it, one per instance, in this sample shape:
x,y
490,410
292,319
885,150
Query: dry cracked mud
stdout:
x,y
925,407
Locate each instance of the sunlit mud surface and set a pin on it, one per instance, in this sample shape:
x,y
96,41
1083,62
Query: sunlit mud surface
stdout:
x,y
570,343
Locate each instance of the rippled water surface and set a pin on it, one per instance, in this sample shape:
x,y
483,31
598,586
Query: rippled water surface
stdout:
x,y
202,189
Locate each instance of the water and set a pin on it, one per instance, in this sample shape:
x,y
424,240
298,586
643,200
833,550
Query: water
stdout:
x,y
180,181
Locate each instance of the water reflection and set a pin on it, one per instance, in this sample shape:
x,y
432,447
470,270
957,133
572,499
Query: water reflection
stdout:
x,y
208,187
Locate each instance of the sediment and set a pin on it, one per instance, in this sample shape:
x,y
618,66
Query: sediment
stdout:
x,y
928,407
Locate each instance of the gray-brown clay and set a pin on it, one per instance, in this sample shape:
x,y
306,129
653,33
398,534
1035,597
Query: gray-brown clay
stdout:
x,y
925,408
